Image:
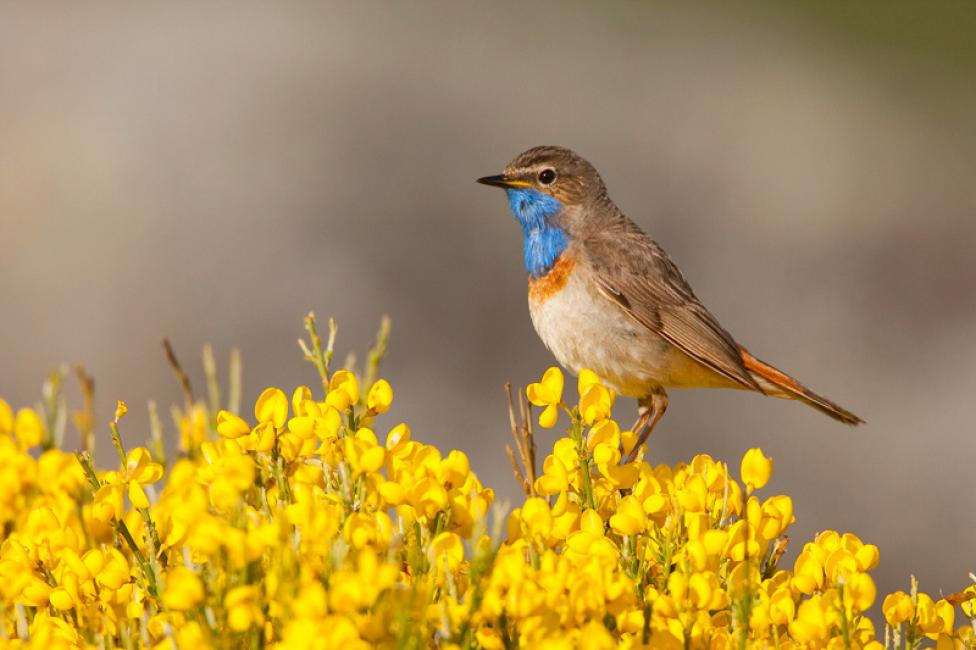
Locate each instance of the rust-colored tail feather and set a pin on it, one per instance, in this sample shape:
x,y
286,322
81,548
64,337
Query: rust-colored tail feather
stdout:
x,y
792,389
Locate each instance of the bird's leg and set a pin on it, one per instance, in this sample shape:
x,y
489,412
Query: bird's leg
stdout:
x,y
643,416
650,410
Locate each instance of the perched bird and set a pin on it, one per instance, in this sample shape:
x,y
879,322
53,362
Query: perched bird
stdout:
x,y
605,296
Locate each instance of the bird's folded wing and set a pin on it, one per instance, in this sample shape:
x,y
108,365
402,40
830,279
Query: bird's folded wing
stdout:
x,y
636,274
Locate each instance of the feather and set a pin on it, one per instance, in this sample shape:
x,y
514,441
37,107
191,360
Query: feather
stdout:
x,y
639,278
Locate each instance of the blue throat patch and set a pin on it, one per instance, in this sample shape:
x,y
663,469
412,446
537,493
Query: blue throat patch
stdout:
x,y
543,241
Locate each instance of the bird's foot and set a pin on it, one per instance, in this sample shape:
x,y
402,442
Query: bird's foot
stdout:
x,y
650,410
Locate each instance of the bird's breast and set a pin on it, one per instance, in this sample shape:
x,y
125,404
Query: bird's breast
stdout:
x,y
584,329
543,288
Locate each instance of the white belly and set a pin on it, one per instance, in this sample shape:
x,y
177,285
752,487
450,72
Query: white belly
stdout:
x,y
583,329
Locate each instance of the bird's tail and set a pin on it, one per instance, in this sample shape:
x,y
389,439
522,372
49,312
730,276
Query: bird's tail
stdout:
x,y
778,384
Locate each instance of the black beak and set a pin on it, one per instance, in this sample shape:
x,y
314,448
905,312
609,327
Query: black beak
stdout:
x,y
498,180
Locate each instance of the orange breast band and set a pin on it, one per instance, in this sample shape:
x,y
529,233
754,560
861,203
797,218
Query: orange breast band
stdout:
x,y
541,289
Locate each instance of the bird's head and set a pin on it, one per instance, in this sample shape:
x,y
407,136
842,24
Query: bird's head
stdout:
x,y
549,190
547,179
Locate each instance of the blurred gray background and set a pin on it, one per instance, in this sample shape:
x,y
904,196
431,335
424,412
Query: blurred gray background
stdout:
x,y
212,173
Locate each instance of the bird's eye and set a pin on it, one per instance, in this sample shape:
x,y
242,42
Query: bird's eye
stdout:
x,y
547,176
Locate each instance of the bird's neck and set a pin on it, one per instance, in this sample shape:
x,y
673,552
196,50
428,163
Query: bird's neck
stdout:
x,y
543,240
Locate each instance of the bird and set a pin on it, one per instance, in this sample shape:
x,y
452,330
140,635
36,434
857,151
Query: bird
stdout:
x,y
605,296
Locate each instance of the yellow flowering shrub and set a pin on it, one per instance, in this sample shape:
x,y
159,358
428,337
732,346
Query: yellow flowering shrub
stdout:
x,y
307,522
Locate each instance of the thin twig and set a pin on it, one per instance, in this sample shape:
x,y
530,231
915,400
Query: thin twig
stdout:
x,y
85,418
180,375
529,435
123,531
117,442
213,384
524,442
319,358
53,409
377,351
85,460
778,549
236,385
156,433
523,483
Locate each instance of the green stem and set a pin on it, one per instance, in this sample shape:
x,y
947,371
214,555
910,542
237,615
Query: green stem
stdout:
x,y
84,459
156,434
584,462
152,540
376,352
844,624
117,442
147,571
52,408
278,471
587,485
319,358
235,383
210,372
745,605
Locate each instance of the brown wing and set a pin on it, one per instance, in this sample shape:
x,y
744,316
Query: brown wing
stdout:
x,y
636,273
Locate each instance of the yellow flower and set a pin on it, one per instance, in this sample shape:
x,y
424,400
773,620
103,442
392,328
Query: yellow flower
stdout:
x,y
183,589
859,592
808,572
109,501
380,397
61,598
343,390
777,516
243,607
898,608
6,418
536,518
590,541
299,397
429,498
586,379
867,557
596,400
630,518
231,426
35,592
310,533
398,439
315,420
111,569
120,410
271,406
781,606
704,591
490,639
693,495
756,469
933,617
549,394
363,452
555,477
262,438
454,470
446,547
28,428
139,470
969,605
811,624
741,542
